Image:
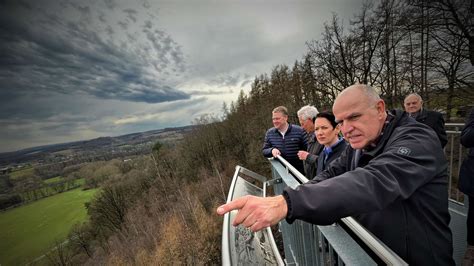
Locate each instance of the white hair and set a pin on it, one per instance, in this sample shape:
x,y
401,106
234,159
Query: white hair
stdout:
x,y
307,112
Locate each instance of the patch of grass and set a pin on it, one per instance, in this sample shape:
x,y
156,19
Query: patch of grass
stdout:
x,y
23,172
80,181
53,180
29,231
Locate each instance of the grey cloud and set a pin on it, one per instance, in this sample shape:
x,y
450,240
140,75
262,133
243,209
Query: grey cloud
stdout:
x,y
70,72
111,4
131,14
71,57
231,80
148,24
25,4
84,10
109,30
123,25
145,94
102,17
146,4
209,92
245,83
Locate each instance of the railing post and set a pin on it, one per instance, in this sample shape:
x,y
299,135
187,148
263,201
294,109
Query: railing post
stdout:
x,y
459,166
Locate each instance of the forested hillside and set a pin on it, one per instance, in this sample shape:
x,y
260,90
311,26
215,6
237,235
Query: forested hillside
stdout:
x,y
161,210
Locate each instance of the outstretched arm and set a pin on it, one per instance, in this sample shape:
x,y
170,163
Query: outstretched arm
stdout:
x,y
256,213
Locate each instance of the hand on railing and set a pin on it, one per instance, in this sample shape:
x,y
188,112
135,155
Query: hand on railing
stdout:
x,y
256,213
276,152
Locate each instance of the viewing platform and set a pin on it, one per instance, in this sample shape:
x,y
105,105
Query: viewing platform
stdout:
x,y
343,243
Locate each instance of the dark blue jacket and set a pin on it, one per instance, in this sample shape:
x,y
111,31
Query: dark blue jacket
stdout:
x,y
466,173
295,140
336,151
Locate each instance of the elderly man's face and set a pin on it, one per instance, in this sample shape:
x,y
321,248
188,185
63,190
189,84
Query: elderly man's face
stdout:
x,y
279,120
361,122
413,104
307,124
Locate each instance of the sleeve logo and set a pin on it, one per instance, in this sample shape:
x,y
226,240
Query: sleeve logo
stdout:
x,y
404,151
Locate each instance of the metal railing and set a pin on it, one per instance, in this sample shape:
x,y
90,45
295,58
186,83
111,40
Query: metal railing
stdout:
x,y
455,153
347,243
458,203
240,246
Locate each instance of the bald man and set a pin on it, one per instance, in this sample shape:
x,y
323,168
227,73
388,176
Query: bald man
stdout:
x,y
414,106
391,179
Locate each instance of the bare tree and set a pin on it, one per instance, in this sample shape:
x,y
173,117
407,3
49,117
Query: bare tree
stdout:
x,y
81,237
370,32
457,18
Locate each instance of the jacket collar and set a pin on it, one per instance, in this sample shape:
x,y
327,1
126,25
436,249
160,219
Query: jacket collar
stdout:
x,y
311,137
290,126
422,114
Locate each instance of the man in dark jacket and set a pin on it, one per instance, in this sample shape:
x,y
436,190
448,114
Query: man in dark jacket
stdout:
x,y
306,116
466,184
392,179
285,139
414,106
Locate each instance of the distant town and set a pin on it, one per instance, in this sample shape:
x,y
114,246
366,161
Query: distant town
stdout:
x,y
102,148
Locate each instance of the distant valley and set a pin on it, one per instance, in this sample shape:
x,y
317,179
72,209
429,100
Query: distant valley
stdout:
x,y
94,149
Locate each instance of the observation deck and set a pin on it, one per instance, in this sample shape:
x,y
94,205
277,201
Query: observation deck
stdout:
x,y
343,243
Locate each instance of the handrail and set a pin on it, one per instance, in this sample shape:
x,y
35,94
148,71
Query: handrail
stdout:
x,y
452,148
225,227
457,127
377,246
299,176
454,124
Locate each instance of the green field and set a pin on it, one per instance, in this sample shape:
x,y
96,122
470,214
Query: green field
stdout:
x,y
48,190
29,231
23,172
53,180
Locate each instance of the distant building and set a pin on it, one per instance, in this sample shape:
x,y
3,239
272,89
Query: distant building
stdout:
x,y
5,170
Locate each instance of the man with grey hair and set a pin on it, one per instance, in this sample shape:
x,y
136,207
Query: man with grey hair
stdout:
x,y
392,179
414,106
306,116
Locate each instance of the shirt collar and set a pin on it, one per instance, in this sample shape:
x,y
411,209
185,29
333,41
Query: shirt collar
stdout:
x,y
283,132
328,150
415,114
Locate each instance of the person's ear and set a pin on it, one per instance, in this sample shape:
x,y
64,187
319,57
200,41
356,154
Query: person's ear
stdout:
x,y
380,108
337,129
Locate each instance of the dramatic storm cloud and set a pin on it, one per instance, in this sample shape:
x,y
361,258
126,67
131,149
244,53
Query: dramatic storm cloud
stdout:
x,y
73,70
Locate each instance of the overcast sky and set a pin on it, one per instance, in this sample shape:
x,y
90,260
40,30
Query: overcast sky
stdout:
x,y
75,70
